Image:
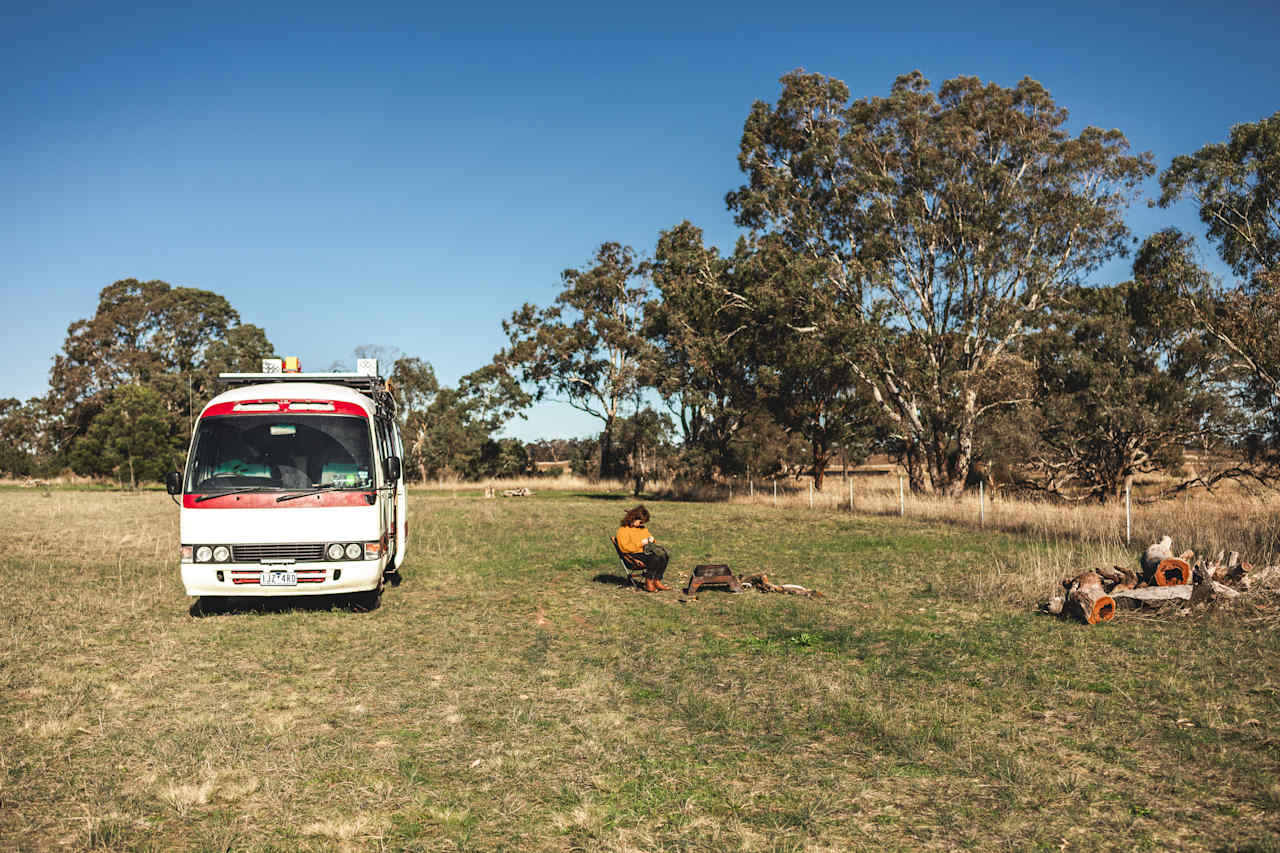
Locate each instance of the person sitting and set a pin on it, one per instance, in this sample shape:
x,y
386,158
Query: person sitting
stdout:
x,y
635,540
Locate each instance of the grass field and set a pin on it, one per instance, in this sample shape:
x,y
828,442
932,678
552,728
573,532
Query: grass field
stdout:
x,y
510,694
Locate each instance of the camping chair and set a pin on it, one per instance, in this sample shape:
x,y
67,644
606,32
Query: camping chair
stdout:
x,y
631,564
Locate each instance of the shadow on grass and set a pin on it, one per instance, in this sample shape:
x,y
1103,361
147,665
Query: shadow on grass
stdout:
x,y
209,605
611,579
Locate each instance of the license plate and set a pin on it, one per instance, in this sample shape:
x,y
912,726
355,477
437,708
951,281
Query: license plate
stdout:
x,y
279,578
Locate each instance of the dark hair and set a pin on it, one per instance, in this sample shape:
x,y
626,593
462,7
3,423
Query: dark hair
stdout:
x,y
632,514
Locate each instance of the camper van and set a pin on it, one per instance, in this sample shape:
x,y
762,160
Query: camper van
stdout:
x,y
294,486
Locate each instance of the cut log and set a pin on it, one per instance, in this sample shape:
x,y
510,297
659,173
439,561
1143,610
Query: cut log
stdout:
x,y
1093,605
1173,571
1261,576
1154,594
1156,552
1088,600
1161,594
1118,577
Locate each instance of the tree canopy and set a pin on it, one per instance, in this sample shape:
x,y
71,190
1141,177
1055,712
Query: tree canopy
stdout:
x,y
586,348
936,222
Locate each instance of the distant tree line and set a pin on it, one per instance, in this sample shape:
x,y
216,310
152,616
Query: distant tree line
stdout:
x,y
913,279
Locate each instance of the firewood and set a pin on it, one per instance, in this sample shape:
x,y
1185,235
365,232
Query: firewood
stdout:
x,y
1179,592
1187,556
1118,577
1261,576
1172,572
1156,552
1088,600
761,582
1154,594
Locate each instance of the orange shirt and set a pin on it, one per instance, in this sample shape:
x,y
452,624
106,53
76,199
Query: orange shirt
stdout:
x,y
631,539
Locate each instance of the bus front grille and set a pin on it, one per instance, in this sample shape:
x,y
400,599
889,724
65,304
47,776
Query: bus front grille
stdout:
x,y
257,553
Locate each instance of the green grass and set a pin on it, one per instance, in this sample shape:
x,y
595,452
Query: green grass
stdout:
x,y
510,696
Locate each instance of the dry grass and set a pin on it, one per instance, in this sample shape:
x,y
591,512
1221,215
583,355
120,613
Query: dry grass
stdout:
x,y
510,696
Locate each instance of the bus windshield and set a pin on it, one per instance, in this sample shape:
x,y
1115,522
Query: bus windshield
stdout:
x,y
280,452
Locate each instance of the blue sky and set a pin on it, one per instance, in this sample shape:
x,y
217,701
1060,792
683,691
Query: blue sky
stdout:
x,y
406,176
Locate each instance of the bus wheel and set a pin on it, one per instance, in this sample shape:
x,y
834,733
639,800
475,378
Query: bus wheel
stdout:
x,y
368,600
207,605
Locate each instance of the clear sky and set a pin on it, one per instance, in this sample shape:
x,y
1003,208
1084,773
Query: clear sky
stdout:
x,y
406,176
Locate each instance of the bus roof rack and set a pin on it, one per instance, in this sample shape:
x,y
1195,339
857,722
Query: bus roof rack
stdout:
x,y
375,387
358,381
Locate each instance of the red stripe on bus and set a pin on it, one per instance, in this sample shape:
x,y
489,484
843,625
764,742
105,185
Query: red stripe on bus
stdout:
x,y
339,408
267,500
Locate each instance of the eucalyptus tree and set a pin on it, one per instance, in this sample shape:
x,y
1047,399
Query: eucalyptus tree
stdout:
x,y
171,339
701,338
585,349
940,222
450,430
1124,385
1236,186
799,374
130,438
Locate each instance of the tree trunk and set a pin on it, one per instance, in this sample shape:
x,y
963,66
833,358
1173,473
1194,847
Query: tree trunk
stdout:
x,y
607,467
820,458
915,472
958,470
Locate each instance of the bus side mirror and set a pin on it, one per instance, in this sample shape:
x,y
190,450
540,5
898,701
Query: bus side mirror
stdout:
x,y
393,468
173,483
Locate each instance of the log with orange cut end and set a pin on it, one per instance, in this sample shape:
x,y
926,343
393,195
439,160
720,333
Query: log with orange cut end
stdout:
x,y
1087,597
1173,571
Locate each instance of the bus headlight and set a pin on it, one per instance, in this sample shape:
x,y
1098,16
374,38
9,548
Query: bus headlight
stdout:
x,y
221,554
334,551
204,554
354,551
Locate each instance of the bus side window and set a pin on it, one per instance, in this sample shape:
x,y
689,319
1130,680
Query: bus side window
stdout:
x,y
384,439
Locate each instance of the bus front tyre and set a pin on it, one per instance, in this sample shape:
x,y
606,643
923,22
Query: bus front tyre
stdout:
x,y
368,600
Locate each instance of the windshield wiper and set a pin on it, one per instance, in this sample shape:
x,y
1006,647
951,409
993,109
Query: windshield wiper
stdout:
x,y
240,491
323,487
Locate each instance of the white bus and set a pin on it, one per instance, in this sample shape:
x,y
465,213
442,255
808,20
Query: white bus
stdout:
x,y
294,485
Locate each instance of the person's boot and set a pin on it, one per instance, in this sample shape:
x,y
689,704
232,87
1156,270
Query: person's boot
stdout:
x,y
650,585
660,585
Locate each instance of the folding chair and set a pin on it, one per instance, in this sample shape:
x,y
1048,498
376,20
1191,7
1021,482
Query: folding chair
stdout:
x,y
631,564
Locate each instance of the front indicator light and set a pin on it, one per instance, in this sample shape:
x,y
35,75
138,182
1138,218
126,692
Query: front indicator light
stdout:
x,y
354,551
372,550
221,554
187,553
334,551
204,554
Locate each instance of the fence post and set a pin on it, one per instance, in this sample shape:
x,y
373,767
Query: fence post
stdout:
x,y
775,491
751,487
850,494
811,494
731,492
982,505
1128,517
902,501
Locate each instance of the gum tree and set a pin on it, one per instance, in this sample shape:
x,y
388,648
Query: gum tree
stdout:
x,y
1236,186
939,220
585,349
